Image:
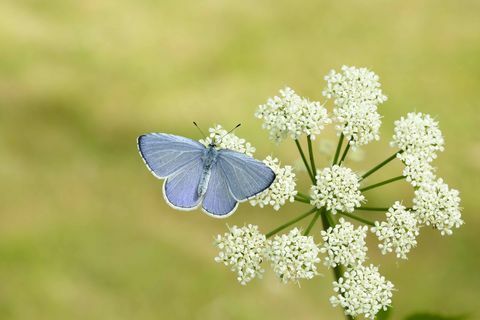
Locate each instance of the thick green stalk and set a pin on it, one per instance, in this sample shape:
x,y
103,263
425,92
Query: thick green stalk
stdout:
x,y
300,199
312,160
354,217
289,223
337,152
314,219
303,195
299,147
380,165
371,209
376,185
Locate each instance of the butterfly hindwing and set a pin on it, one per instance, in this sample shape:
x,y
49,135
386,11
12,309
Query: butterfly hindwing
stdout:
x,y
218,201
166,154
180,189
245,176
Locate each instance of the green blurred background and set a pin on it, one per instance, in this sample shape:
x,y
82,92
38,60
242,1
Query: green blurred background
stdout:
x,y
84,230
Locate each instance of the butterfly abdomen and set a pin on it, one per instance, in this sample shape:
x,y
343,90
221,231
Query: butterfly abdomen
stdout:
x,y
209,159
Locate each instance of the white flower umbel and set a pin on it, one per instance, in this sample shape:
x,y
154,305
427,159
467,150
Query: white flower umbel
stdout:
x,y
399,232
359,123
291,116
362,291
344,244
337,188
437,205
353,86
417,170
417,135
281,190
229,141
293,256
242,250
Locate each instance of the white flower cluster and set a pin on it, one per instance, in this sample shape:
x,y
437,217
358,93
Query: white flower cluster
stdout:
x,y
291,116
337,188
344,245
293,256
229,141
242,249
353,86
399,232
362,291
437,205
356,93
360,124
419,137
281,190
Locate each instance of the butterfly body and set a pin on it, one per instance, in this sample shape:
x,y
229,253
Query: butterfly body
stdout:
x,y
195,175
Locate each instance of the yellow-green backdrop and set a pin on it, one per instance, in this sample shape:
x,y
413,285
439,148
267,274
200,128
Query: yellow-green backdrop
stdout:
x,y
84,230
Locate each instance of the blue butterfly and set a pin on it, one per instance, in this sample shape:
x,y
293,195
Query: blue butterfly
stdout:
x,y
217,179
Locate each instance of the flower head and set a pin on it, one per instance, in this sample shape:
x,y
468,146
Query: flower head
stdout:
x,y
242,250
417,170
281,190
228,141
337,188
291,116
437,205
362,291
293,256
344,245
418,136
353,86
398,233
359,123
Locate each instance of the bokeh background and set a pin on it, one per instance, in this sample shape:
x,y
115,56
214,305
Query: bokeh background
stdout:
x,y
84,230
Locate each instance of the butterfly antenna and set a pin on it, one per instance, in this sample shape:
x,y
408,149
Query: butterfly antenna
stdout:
x,y
203,134
226,134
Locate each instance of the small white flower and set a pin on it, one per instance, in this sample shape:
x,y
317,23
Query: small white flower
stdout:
x,y
291,116
229,141
281,190
293,256
359,123
417,170
337,188
437,205
344,244
398,233
417,135
242,250
353,86
362,291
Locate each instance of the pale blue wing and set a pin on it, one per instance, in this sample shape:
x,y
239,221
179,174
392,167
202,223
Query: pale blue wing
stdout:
x,y
181,189
218,201
165,154
244,175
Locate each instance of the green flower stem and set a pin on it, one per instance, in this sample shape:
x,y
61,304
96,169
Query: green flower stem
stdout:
x,y
339,146
344,155
300,199
376,185
354,217
327,221
303,195
372,209
289,223
314,219
299,147
380,165
312,160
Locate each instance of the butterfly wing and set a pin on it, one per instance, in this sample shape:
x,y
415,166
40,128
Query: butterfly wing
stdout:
x,y
166,154
218,201
181,189
244,176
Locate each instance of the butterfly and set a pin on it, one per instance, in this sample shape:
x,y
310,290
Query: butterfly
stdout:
x,y
216,179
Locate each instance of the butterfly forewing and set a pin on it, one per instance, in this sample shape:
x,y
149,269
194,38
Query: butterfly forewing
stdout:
x,y
166,154
245,176
218,200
